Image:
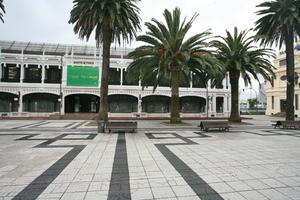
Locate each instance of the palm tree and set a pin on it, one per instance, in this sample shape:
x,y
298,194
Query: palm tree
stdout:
x,y
241,59
112,21
2,8
280,24
169,56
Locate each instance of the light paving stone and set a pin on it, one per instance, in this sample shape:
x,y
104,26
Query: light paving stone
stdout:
x,y
78,187
239,186
141,193
256,184
221,187
273,183
289,192
188,198
158,182
273,194
73,196
50,196
183,191
253,195
139,183
96,195
163,192
232,196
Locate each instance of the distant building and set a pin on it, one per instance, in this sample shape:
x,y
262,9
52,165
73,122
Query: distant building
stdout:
x,y
43,79
276,95
262,95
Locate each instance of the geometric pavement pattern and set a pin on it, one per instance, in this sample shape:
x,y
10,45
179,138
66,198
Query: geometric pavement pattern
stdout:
x,y
72,162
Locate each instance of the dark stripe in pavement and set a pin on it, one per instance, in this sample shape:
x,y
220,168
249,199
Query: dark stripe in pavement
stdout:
x,y
78,125
38,185
119,187
40,122
199,186
70,124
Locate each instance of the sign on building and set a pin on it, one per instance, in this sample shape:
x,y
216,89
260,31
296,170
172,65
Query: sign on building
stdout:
x,y
82,76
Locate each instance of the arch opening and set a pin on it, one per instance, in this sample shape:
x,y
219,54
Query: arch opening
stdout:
x,y
122,104
192,104
156,104
8,102
81,103
41,102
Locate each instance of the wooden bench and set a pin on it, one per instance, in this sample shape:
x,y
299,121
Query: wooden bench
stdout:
x,y
121,126
287,124
221,125
291,124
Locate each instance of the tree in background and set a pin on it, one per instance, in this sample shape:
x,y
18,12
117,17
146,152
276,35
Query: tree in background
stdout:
x,y
280,25
252,102
112,21
169,56
240,58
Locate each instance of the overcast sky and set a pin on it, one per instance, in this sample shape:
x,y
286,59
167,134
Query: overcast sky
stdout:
x,y
46,21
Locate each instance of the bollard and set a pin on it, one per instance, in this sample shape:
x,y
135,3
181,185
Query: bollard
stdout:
x,y
101,126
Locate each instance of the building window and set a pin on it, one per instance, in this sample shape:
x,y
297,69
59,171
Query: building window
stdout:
x,y
282,62
33,74
219,104
272,102
296,102
114,76
53,74
126,82
10,73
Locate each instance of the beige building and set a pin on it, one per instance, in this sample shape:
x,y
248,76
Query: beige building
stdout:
x,y
276,95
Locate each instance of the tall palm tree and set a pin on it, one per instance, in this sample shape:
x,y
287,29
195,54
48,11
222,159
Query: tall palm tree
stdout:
x,y
2,8
241,59
169,56
280,24
112,21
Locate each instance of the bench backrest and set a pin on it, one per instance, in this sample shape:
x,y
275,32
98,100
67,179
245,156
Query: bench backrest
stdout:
x,y
121,124
214,124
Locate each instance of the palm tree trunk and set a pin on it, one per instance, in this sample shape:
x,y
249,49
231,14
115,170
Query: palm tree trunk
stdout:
x,y
104,75
234,81
175,106
290,111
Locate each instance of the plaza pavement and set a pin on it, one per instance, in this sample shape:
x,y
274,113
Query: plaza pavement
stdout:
x,y
42,159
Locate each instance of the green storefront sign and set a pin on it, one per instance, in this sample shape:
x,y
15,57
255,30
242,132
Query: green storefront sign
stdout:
x,y
83,76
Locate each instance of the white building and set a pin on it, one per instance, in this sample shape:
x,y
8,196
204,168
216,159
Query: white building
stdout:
x,y
276,93
44,79
262,95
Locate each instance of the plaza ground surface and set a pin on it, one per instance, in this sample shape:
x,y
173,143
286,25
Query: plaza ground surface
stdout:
x,y
69,160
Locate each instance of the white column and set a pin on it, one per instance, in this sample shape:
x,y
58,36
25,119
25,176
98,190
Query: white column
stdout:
x,y
43,73
20,108
225,104
121,79
62,105
209,85
229,103
22,67
22,72
64,75
1,75
213,105
140,106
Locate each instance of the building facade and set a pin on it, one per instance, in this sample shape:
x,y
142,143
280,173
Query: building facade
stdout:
x,y
276,94
44,79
